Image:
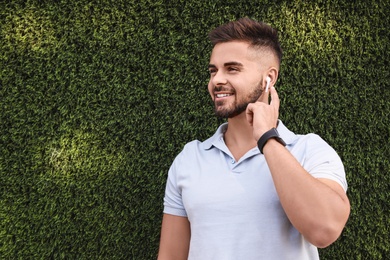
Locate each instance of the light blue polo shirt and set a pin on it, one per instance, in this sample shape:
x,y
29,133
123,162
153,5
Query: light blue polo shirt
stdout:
x,y
233,208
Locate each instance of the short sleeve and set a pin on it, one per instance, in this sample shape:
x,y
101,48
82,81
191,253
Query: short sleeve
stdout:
x,y
173,203
322,161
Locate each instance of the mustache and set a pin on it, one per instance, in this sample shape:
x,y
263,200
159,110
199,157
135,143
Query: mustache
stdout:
x,y
223,88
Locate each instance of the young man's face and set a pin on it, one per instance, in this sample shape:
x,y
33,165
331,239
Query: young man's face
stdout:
x,y
236,77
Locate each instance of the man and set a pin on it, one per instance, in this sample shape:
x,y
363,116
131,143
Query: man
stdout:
x,y
254,190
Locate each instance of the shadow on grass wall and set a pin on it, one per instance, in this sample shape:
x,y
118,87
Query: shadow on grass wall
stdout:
x,y
98,97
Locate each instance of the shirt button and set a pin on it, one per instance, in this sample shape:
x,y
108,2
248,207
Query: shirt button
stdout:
x,y
233,161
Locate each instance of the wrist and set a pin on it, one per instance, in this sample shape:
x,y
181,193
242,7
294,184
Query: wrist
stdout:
x,y
270,134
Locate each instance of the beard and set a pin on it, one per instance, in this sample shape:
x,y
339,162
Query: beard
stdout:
x,y
224,110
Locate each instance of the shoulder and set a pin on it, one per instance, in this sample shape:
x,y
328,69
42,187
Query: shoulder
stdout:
x,y
193,146
312,143
189,150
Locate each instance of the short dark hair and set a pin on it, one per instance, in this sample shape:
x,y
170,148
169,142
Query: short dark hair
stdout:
x,y
257,34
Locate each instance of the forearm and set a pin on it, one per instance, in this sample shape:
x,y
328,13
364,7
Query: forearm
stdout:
x,y
318,209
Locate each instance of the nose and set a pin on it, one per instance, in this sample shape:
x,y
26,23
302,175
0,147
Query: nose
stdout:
x,y
218,78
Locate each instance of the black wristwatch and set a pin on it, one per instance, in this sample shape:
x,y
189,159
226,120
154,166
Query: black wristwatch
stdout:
x,y
273,133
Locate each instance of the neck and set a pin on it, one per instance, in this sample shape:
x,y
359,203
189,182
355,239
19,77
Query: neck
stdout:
x,y
239,136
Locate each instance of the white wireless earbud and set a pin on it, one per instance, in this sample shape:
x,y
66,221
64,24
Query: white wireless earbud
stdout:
x,y
268,79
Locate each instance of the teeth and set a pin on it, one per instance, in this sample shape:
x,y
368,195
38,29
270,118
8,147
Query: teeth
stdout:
x,y
222,95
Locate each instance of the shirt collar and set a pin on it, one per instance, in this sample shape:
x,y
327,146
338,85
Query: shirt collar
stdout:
x,y
218,141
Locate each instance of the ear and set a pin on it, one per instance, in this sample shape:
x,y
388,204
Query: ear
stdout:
x,y
273,74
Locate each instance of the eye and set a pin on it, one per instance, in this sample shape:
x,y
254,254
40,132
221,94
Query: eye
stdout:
x,y
233,69
212,71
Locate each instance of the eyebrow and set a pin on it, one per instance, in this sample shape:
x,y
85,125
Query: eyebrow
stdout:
x,y
227,64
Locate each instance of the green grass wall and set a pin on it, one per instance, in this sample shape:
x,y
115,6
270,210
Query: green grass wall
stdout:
x,y
98,97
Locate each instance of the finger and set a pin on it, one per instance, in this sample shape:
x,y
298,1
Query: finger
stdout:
x,y
264,97
249,114
275,101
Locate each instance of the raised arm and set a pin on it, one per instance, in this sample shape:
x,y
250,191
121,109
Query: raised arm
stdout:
x,y
318,208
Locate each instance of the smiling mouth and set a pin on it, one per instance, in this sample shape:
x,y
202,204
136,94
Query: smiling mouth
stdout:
x,y
223,95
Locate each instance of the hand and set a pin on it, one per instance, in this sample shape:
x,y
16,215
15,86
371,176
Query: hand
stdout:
x,y
263,116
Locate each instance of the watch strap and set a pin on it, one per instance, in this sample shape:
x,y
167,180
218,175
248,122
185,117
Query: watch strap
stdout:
x,y
272,133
